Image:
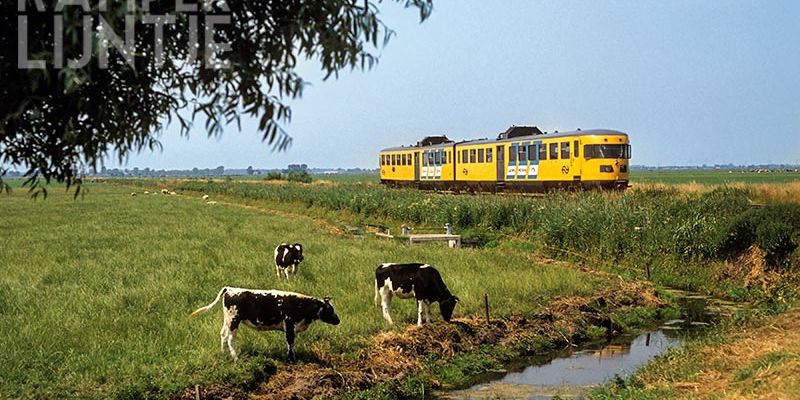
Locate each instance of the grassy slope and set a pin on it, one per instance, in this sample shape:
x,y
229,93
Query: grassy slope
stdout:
x,y
760,360
96,291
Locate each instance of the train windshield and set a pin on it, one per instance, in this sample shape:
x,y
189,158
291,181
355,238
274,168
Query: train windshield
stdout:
x,y
607,151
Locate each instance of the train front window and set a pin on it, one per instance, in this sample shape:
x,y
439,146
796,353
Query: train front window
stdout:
x,y
606,151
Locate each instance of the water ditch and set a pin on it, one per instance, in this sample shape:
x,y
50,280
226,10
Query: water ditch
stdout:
x,y
575,371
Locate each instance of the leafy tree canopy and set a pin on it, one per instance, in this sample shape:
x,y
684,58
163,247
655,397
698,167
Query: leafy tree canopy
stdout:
x,y
67,110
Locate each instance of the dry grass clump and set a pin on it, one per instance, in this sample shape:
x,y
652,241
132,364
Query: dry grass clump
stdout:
x,y
788,192
758,363
773,192
751,267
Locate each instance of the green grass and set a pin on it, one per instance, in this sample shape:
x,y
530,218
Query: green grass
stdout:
x,y
711,176
95,292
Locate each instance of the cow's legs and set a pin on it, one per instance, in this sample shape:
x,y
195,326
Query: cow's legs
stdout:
x,y
292,268
232,344
288,327
420,306
427,312
278,270
386,301
223,336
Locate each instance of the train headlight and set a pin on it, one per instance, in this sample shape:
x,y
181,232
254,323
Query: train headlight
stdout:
x,y
606,168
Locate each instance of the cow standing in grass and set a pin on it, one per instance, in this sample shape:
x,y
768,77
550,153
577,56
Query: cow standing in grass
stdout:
x,y
420,281
287,258
268,310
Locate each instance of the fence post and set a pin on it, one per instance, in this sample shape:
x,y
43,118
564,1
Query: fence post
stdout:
x,y
405,229
448,229
486,305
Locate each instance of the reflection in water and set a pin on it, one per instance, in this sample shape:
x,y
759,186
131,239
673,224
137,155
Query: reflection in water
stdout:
x,y
573,374
593,366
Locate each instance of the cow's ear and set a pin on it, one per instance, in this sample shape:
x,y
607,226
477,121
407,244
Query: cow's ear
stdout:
x,y
328,300
457,299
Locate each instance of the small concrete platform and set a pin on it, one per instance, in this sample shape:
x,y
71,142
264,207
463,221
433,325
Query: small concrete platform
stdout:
x,y
452,240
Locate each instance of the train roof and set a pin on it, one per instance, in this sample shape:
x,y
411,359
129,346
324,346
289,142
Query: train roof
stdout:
x,y
586,132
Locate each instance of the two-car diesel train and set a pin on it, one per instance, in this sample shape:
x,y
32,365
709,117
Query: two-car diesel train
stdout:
x,y
521,159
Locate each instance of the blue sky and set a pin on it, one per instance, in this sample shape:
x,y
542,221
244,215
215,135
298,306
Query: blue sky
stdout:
x,y
692,82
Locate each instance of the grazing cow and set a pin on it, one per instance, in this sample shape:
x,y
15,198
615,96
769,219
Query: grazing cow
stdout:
x,y
287,258
420,281
266,310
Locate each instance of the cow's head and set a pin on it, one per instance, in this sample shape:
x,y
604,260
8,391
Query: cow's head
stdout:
x,y
299,248
327,313
446,306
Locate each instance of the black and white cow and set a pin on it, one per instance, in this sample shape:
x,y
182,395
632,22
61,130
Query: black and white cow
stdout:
x,y
268,310
287,257
420,281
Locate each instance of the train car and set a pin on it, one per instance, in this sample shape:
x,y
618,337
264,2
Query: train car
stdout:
x,y
522,159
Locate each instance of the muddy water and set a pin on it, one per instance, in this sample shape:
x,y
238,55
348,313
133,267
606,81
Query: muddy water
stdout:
x,y
574,372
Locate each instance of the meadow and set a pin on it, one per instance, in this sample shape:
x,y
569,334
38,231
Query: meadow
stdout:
x,y
674,233
96,290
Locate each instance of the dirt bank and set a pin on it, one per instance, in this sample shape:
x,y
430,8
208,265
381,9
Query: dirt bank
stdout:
x,y
392,356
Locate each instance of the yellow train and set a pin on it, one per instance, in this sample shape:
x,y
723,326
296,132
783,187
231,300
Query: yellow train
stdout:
x,y
522,159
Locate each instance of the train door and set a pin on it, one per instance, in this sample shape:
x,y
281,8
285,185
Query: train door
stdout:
x,y
416,166
575,161
501,167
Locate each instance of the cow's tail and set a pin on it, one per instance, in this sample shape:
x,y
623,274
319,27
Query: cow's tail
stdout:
x,y
208,307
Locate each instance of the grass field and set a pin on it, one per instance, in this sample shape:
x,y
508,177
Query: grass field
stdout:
x,y
96,291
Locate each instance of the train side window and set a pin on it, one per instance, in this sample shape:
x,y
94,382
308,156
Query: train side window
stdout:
x,y
480,155
522,152
383,159
424,158
512,154
532,152
406,160
554,151
472,154
564,150
576,150
489,154
542,151
464,156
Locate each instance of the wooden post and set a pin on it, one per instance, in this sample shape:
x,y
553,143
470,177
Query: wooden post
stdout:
x,y
196,392
647,270
486,305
